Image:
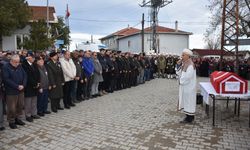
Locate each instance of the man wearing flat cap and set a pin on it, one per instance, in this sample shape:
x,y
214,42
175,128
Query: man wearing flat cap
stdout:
x,y
56,81
187,88
31,89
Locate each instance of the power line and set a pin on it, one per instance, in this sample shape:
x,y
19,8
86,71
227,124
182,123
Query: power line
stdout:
x,y
170,22
96,20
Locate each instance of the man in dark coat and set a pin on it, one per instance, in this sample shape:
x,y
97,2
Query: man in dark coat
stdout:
x,y
15,79
31,89
75,57
56,82
102,59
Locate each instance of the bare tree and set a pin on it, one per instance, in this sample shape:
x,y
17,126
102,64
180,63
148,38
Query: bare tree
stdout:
x,y
215,7
213,42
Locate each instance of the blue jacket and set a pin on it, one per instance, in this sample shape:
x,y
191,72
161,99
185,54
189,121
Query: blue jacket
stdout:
x,y
88,66
12,78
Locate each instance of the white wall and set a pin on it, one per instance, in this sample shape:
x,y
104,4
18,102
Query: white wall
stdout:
x,y
135,44
173,43
169,43
111,42
9,42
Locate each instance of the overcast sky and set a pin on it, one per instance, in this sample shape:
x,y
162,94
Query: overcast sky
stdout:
x,y
102,17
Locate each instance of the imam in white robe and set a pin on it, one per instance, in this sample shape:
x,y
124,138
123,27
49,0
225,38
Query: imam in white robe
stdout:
x,y
187,90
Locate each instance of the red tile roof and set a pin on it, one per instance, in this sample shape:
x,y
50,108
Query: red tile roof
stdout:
x,y
131,31
127,31
40,13
161,29
207,52
123,32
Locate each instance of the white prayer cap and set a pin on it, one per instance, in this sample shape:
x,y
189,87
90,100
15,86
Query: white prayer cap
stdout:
x,y
187,51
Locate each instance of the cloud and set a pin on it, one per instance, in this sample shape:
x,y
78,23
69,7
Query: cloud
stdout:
x,y
196,41
77,38
99,17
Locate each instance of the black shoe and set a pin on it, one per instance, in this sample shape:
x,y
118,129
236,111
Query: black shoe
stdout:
x,y
29,119
2,128
67,107
55,111
76,101
40,114
35,117
19,122
12,125
79,99
188,119
47,112
60,108
72,104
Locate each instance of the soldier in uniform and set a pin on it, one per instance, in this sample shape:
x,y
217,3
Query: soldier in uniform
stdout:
x,y
161,65
128,71
56,81
133,70
114,73
109,73
121,66
170,67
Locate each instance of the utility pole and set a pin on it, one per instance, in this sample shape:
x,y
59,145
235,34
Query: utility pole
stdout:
x,y
155,6
230,31
142,34
47,21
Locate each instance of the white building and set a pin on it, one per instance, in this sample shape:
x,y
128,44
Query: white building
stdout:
x,y
14,41
171,41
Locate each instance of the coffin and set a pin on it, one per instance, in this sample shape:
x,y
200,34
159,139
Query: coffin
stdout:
x,y
228,83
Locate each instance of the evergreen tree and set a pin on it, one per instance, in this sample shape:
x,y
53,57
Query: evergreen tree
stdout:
x,y
38,39
61,32
14,14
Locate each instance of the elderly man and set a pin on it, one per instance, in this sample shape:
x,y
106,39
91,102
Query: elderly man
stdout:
x,y
31,90
15,79
187,88
69,72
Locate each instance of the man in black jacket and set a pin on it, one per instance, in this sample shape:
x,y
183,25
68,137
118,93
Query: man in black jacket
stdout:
x,y
31,90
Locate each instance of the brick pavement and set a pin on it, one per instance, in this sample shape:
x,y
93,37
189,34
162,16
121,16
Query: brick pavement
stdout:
x,y
140,118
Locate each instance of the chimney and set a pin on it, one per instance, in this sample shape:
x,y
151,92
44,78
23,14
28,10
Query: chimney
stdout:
x,y
176,26
92,40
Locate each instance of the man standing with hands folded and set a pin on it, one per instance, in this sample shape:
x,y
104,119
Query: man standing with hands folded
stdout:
x,y
15,79
69,73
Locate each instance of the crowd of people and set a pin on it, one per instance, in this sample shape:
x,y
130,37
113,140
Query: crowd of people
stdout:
x,y
166,66
30,80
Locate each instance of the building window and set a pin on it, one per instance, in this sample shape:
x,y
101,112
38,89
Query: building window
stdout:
x,y
129,44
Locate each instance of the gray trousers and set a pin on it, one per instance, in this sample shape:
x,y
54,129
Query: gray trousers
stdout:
x,y
1,113
30,106
94,88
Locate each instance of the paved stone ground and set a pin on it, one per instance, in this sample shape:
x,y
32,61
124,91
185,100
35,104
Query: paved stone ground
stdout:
x,y
140,118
